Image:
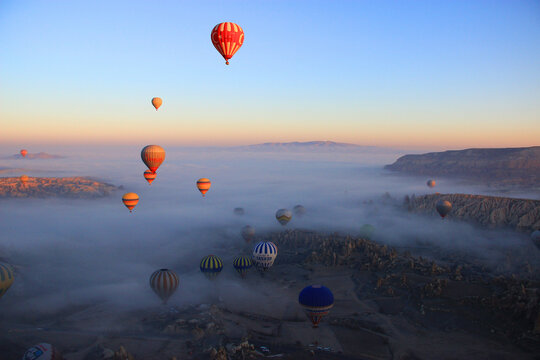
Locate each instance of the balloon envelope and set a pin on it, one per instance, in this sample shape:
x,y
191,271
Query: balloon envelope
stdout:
x,y
227,38
42,351
24,152
299,210
316,300
150,176
283,216
211,266
248,233
242,264
264,255
203,184
130,200
153,156
366,231
157,102
239,211
24,179
443,207
6,278
431,183
164,282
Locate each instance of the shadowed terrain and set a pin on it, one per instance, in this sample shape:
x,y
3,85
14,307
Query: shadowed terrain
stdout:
x,y
42,187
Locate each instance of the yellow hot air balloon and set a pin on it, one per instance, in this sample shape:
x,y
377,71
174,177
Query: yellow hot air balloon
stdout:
x,y
24,179
6,278
130,200
157,102
203,184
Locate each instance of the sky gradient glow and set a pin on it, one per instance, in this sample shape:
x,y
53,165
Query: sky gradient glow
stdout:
x,y
433,74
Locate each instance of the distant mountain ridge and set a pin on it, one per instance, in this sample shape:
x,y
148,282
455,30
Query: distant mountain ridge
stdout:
x,y
328,146
497,166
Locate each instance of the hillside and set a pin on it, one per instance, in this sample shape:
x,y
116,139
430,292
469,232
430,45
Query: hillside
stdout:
x,y
499,167
41,187
491,211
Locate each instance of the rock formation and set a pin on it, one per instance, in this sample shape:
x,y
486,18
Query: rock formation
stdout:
x,y
40,187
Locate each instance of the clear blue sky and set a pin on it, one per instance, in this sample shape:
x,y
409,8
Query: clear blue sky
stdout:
x,y
402,73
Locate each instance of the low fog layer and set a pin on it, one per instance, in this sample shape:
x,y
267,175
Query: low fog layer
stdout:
x,y
78,252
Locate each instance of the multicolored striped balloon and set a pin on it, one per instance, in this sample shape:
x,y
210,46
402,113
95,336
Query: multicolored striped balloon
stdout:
x,y
242,264
130,200
42,351
153,156
211,266
6,278
203,184
283,216
164,282
264,255
150,176
227,38
157,102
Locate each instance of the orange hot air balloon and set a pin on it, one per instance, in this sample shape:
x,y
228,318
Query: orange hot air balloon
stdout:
x,y
203,185
157,102
24,152
150,176
227,38
130,200
24,179
152,156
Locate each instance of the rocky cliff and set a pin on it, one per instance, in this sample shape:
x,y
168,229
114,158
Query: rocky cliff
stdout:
x,y
491,211
41,187
500,167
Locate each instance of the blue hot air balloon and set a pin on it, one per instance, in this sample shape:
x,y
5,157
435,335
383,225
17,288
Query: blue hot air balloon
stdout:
x,y
211,266
242,264
317,300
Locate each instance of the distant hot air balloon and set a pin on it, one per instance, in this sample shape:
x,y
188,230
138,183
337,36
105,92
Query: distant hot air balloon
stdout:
x,y
242,264
316,300
24,152
157,102
24,179
239,211
153,156
248,233
227,38
42,351
203,184
211,266
299,210
443,207
130,200
150,176
431,183
535,237
164,282
6,278
283,216
264,255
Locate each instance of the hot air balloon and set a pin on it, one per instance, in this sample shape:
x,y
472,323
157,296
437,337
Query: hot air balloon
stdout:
x,y
6,278
283,216
203,184
248,233
150,176
164,282
443,207
24,179
24,152
299,210
227,38
431,183
211,266
157,102
130,200
317,300
42,351
535,237
242,264
366,231
152,156
264,255
239,211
